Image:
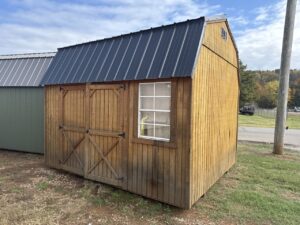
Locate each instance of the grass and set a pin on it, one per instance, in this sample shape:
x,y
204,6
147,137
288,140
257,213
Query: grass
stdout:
x,y
41,186
2,179
126,203
260,188
16,190
259,121
265,189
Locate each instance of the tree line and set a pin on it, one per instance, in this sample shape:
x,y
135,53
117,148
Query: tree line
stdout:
x,y
260,87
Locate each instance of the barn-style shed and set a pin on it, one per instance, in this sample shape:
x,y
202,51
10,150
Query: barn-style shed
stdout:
x,y
153,112
22,101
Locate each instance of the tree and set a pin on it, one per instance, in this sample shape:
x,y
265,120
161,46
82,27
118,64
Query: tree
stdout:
x,y
297,97
248,85
268,95
263,77
295,89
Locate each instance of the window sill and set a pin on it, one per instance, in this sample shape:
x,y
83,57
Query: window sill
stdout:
x,y
158,143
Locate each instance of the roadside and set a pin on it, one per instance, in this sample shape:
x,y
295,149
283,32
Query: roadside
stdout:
x,y
260,129
293,121
252,192
266,135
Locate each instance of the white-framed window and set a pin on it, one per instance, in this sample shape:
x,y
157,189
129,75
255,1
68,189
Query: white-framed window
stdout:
x,y
154,111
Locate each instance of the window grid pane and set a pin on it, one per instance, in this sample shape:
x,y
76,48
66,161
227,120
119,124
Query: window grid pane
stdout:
x,y
162,103
147,89
162,89
146,103
149,127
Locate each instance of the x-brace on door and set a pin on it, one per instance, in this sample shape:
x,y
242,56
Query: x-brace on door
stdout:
x,y
106,134
92,130
72,128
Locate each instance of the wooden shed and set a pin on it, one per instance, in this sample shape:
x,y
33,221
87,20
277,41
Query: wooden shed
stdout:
x,y
22,101
152,112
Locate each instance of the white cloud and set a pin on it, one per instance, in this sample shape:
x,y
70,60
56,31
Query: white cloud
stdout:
x,y
262,13
36,26
238,20
260,47
45,25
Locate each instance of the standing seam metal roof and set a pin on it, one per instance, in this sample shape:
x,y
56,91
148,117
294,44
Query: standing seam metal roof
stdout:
x,y
162,52
24,70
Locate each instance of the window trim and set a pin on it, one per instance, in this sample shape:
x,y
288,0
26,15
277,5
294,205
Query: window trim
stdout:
x,y
153,138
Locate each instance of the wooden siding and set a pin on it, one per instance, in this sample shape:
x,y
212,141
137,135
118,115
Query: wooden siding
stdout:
x,y
53,137
215,92
224,48
155,169
203,129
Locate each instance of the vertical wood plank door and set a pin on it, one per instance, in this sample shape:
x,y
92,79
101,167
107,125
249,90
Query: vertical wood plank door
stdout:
x,y
72,128
105,138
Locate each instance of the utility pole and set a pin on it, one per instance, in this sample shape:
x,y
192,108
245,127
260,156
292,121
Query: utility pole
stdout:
x,y
284,76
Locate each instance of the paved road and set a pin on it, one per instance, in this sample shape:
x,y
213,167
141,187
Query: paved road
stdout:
x,y
292,137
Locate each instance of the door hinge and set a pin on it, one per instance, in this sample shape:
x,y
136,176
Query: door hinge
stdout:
x,y
123,86
122,134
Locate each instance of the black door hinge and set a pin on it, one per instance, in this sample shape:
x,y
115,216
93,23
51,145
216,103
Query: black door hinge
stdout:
x,y
123,87
122,134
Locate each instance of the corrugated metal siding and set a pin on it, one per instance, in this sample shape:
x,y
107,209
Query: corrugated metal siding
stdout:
x,y
163,52
27,71
22,119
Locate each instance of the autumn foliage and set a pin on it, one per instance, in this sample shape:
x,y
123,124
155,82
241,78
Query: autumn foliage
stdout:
x,y
260,87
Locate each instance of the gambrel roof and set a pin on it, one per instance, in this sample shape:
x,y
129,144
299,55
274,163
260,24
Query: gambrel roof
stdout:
x,y
161,52
24,70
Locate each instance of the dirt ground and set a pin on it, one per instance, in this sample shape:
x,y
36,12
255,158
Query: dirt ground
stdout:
x,y
31,193
261,188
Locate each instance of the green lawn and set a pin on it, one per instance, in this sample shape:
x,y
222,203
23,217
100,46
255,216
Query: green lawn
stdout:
x,y
260,189
259,121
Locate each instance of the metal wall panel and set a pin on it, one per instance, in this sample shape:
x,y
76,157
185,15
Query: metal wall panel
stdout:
x,y
162,52
22,119
22,101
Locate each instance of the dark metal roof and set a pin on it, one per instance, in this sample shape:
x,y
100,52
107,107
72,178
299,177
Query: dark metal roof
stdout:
x,y
162,52
24,69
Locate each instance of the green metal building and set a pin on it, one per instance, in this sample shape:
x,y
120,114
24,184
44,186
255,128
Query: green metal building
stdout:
x,y
22,101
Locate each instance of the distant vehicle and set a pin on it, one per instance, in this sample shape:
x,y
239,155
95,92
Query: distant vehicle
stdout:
x,y
297,109
247,110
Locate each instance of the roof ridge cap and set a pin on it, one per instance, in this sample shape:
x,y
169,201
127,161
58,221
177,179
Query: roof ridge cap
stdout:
x,y
28,55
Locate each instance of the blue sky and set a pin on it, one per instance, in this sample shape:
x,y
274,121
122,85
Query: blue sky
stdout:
x,y
45,25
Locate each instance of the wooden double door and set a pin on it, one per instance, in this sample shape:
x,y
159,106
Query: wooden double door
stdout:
x,y
92,132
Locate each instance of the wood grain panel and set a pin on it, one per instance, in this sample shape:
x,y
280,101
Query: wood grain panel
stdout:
x,y
215,96
213,40
73,115
203,129
158,169
105,125
155,169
